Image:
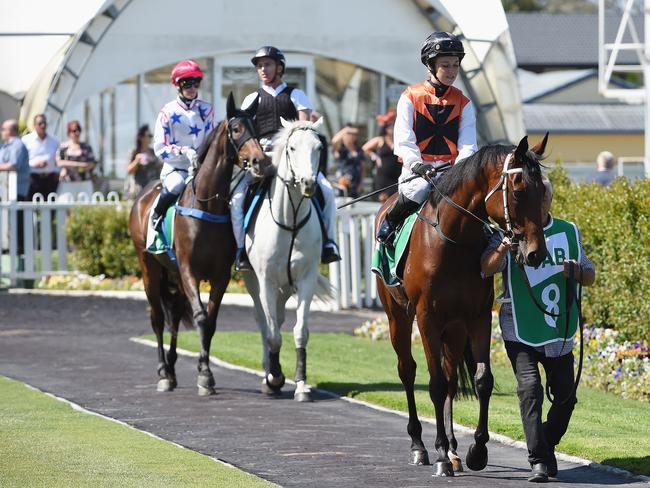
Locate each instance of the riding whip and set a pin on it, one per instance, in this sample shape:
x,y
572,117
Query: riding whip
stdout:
x,y
372,193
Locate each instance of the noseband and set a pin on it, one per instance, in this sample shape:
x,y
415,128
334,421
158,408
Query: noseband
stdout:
x,y
503,183
292,181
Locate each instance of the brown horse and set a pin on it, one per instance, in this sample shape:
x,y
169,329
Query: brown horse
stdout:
x,y
204,249
442,286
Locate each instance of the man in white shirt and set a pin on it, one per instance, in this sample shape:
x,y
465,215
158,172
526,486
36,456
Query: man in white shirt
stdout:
x,y
42,149
274,100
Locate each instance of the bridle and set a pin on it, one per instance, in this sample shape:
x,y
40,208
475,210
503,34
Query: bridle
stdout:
x,y
502,185
234,145
293,180
289,183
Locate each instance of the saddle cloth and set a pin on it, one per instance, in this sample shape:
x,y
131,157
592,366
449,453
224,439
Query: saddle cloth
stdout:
x,y
157,242
387,262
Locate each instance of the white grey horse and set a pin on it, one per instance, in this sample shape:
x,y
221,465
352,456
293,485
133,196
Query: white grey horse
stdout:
x,y
284,249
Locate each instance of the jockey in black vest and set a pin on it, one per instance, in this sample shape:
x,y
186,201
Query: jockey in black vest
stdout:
x,y
273,100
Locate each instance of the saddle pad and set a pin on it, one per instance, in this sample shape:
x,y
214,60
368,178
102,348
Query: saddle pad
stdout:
x,y
254,196
158,243
386,261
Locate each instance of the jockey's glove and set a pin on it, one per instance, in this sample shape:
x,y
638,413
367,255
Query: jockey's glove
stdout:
x,y
190,154
423,169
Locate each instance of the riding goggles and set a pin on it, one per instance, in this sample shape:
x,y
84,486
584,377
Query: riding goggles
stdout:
x,y
189,82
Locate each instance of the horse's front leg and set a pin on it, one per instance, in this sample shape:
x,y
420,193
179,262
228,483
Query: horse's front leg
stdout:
x,y
301,335
401,326
431,341
205,327
274,378
477,455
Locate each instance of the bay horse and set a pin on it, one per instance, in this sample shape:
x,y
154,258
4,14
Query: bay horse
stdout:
x,y
442,287
204,244
284,249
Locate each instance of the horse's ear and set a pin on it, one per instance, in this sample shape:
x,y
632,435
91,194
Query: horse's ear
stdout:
x,y
540,147
252,108
230,107
286,124
522,149
318,124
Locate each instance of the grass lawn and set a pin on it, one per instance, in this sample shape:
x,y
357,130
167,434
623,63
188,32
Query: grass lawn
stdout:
x,y
45,443
604,427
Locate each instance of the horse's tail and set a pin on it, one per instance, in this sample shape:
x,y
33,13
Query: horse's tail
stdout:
x,y
466,373
175,304
324,290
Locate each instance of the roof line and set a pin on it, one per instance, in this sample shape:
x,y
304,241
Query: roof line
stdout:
x,y
27,34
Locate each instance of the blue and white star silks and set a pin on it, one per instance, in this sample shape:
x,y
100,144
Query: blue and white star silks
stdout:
x,y
178,126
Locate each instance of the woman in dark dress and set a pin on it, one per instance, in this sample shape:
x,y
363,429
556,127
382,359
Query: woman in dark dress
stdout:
x,y
349,158
380,150
144,165
76,158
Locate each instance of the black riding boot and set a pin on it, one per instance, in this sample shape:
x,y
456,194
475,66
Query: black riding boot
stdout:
x,y
330,252
401,209
166,199
241,260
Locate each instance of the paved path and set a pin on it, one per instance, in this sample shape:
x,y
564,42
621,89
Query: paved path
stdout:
x,y
79,349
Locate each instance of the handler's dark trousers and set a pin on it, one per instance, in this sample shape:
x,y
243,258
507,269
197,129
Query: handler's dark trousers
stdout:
x,y
541,438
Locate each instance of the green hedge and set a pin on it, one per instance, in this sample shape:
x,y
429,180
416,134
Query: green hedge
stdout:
x,y
100,242
615,227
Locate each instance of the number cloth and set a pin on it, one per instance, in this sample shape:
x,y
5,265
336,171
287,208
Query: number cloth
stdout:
x,y
549,287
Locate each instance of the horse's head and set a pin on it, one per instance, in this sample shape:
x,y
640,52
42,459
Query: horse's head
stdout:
x,y
299,147
242,139
520,208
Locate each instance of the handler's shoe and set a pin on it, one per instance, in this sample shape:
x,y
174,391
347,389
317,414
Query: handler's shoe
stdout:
x,y
241,261
539,473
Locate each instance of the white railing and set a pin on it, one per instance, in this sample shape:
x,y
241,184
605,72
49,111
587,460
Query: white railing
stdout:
x,y
353,282
44,240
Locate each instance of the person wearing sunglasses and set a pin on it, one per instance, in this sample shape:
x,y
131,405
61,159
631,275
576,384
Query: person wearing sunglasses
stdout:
x,y
144,165
276,99
75,157
181,128
42,148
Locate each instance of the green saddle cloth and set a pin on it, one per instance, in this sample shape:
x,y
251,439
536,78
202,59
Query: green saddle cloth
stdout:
x,y
386,260
161,243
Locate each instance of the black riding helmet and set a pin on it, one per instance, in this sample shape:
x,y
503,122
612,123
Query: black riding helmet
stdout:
x,y
269,52
441,44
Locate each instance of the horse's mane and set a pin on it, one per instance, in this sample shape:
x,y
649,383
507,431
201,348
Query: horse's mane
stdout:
x,y
470,168
205,147
281,138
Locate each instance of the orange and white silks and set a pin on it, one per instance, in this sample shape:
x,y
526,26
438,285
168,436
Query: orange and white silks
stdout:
x,y
436,120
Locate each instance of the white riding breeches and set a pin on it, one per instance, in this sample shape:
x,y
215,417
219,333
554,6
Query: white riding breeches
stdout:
x,y
237,208
415,190
329,210
173,179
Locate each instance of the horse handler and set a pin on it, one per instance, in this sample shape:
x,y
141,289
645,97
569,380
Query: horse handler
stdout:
x,y
532,336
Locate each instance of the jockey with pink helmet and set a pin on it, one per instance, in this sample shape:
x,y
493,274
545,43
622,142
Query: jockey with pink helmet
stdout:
x,y
181,128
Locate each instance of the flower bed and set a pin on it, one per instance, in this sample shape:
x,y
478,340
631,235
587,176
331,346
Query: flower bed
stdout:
x,y
611,364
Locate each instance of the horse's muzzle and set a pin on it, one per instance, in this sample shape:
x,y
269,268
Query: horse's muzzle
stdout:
x,y
308,187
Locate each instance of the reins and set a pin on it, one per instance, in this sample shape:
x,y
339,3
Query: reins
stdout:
x,y
291,182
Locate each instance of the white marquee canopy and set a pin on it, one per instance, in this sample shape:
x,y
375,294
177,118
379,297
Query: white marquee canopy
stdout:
x,y
128,37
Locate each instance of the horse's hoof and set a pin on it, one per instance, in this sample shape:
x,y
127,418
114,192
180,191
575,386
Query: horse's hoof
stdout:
x,y
203,391
456,463
267,389
443,468
302,396
419,458
275,382
165,384
477,457
205,383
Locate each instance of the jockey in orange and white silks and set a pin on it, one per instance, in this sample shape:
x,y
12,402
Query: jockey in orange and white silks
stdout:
x,y
273,100
181,128
435,122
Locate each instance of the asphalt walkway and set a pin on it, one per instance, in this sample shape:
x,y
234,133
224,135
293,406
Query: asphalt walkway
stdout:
x,y
79,349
